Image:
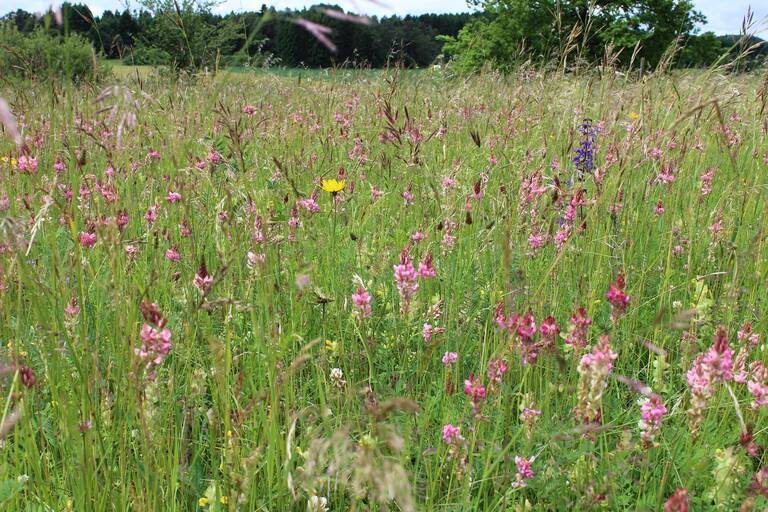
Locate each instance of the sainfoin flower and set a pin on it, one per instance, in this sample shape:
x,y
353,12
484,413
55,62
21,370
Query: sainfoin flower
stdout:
x,y
172,254
449,358
154,348
362,301
88,239
405,279
707,370
618,299
451,434
594,369
426,268
496,370
678,502
652,411
524,471
474,389
203,280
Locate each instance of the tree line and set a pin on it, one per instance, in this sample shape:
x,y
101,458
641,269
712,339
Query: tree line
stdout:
x,y
155,36
501,33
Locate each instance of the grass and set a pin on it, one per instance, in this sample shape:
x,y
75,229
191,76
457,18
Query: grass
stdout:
x,y
246,411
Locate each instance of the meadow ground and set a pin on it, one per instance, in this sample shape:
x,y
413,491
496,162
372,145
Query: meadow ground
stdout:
x,y
386,292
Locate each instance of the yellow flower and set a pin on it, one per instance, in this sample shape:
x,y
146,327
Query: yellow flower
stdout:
x,y
634,116
202,502
223,500
333,186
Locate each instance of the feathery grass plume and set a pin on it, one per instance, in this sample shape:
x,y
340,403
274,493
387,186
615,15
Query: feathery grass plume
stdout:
x,y
9,122
319,32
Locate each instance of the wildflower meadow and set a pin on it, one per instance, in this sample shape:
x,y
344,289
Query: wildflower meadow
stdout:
x,y
385,290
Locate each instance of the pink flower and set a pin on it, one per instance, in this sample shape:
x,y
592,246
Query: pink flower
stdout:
x,y
708,369
659,208
172,254
474,389
594,369
72,309
203,280
706,182
173,197
496,370
450,358
87,239
426,269
549,331
310,203
151,214
451,434
249,110
426,332
524,471
578,327
537,240
618,299
214,157
405,278
418,236
652,412
678,502
27,164
154,155
758,384
408,195
362,301
155,345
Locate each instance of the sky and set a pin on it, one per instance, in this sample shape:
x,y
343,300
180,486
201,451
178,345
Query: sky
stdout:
x,y
723,16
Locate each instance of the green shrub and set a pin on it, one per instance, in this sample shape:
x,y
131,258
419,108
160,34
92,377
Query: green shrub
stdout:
x,y
41,55
148,56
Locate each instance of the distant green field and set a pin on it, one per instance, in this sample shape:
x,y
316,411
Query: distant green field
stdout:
x,y
122,71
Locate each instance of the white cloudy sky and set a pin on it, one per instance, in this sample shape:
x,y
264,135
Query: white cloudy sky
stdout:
x,y
724,16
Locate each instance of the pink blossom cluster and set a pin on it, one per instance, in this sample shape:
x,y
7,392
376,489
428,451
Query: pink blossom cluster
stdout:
x,y
406,278
707,370
594,369
362,301
578,328
524,471
652,413
618,299
524,331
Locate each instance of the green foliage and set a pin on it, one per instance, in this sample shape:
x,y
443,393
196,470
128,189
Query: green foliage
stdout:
x,y
575,30
40,55
148,55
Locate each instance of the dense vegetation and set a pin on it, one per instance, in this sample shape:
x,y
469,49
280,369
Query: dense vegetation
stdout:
x,y
401,291
252,37
502,34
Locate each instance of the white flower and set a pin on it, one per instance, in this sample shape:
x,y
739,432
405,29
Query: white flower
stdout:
x,y
337,377
318,503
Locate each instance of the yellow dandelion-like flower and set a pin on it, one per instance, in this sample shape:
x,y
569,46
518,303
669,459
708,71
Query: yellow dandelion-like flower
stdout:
x,y
203,502
333,186
634,116
223,500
